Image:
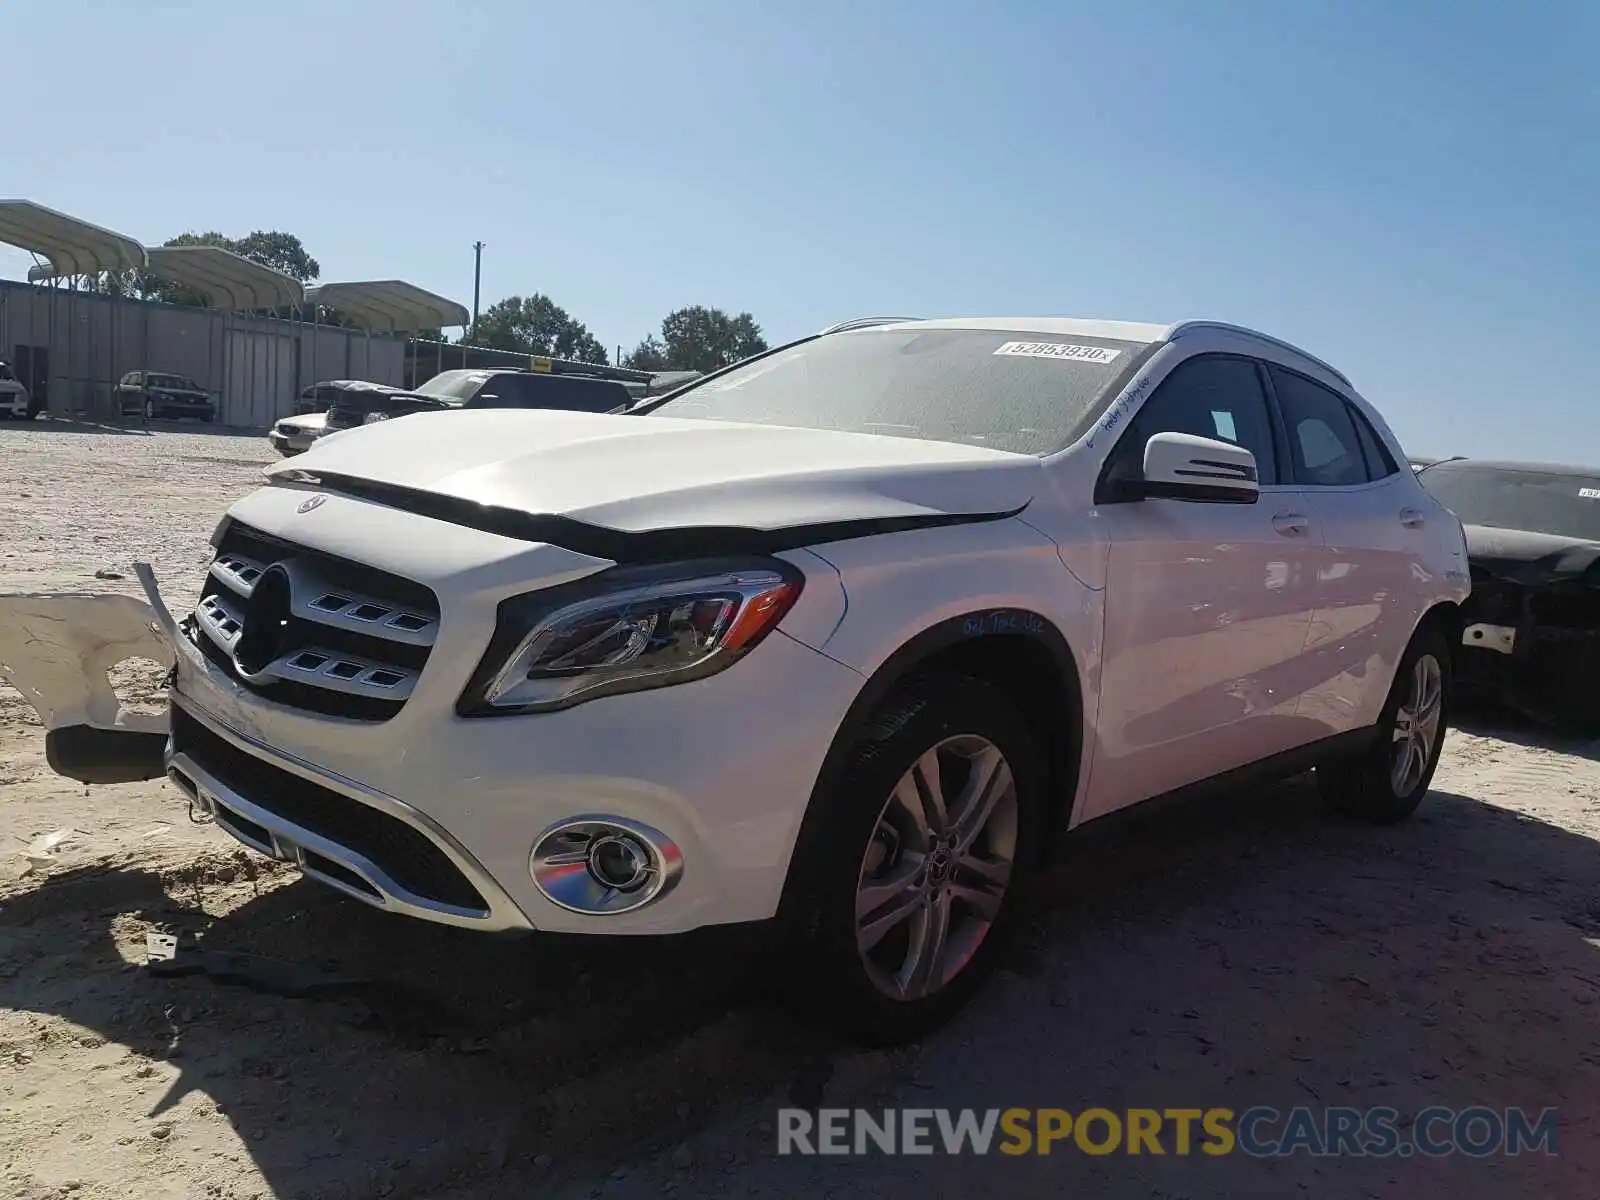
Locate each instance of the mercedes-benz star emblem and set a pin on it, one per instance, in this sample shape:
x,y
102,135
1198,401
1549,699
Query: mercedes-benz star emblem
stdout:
x,y
266,615
312,502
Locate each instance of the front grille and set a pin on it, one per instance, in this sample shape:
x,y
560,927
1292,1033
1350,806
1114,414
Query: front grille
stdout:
x,y
402,852
311,630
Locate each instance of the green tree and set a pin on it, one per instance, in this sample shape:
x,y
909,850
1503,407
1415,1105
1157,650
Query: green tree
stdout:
x,y
280,251
535,325
707,339
648,355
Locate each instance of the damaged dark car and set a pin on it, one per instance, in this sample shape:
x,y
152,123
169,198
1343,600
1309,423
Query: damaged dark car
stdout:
x,y
1531,635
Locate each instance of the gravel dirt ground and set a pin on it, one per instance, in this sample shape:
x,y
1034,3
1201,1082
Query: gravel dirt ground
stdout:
x,y
1251,950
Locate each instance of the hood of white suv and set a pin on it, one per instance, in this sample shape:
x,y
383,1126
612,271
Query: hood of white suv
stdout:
x,y
639,474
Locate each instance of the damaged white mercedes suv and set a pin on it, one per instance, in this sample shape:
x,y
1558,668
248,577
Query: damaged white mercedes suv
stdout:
x,y
841,638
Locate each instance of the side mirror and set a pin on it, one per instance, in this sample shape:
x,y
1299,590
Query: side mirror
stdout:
x,y
1181,466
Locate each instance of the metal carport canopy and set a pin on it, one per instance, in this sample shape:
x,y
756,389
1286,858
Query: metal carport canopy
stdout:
x,y
70,246
389,305
226,279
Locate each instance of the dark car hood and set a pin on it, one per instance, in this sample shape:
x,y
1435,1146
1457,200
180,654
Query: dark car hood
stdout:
x,y
1526,557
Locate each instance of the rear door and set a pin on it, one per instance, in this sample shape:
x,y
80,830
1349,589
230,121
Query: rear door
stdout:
x,y
1207,606
1373,542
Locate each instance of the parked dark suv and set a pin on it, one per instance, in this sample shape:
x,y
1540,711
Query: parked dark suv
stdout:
x,y
482,389
161,394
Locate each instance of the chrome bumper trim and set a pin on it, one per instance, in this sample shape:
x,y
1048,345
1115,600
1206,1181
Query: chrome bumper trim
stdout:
x,y
292,843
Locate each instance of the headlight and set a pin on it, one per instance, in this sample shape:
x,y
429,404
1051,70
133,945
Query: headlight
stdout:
x,y
627,630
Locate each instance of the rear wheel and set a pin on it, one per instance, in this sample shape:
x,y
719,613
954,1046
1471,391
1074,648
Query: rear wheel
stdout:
x,y
1386,782
907,879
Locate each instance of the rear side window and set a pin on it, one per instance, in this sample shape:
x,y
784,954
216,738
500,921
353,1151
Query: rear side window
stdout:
x,y
1211,396
1323,443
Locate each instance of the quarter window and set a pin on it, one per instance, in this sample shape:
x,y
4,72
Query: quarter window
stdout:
x,y
1323,443
1380,463
1212,396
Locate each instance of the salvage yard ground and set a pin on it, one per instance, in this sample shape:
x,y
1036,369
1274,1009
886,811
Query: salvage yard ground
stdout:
x,y
1253,950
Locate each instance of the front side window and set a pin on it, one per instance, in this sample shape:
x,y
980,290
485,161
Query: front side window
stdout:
x,y
1028,393
508,391
1322,435
1213,396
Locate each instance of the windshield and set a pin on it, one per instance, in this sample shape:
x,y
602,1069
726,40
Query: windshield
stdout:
x,y
456,387
1023,392
1567,505
177,382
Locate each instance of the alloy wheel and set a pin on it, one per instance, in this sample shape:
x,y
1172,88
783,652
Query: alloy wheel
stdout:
x,y
1417,725
937,868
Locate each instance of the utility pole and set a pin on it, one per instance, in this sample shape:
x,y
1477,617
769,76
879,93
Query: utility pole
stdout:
x,y
477,277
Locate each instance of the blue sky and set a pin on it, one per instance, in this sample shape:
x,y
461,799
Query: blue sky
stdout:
x,y
1408,189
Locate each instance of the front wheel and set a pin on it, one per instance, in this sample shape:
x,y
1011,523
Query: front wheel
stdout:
x,y
908,874
1387,781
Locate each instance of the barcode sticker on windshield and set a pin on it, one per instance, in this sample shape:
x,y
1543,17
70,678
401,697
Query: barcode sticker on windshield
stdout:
x,y
1061,350
1589,493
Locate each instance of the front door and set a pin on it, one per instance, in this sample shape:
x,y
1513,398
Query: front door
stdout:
x,y
1207,606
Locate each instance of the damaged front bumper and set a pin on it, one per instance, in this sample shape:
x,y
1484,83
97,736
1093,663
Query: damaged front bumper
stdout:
x,y
366,844
1535,647
56,649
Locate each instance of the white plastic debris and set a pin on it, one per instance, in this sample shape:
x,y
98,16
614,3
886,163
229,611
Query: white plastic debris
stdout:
x,y
42,851
56,650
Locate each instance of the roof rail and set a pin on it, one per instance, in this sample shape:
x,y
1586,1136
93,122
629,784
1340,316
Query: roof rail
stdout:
x,y
864,323
1185,326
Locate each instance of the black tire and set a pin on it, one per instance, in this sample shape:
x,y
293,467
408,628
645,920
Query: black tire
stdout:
x,y
831,980
1366,786
149,409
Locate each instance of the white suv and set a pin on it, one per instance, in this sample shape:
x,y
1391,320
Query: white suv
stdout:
x,y
14,399
843,636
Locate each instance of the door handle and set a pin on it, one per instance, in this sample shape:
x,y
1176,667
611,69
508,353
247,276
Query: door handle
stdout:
x,y
1291,524
1412,518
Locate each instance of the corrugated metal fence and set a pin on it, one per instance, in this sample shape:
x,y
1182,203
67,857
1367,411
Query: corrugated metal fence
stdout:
x,y
71,348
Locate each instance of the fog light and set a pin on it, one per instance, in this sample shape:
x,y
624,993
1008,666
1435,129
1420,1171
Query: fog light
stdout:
x,y
604,865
